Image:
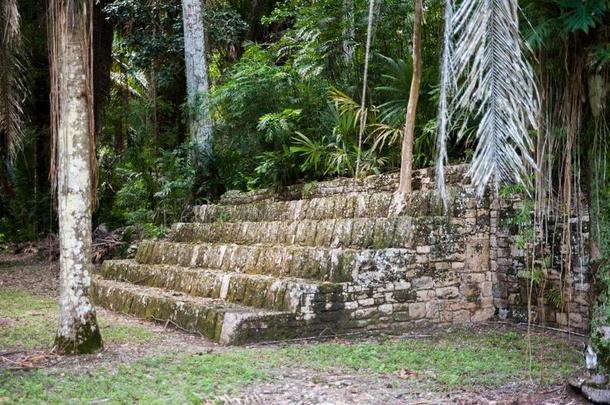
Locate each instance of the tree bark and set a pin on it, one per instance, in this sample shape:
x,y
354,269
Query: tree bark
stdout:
x,y
349,34
78,331
200,124
406,164
103,32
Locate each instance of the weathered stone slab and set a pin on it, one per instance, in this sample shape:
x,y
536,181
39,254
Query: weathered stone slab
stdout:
x,y
216,319
281,294
377,233
351,204
422,179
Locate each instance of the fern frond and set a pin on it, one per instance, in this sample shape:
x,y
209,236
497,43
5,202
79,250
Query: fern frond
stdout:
x,y
498,88
582,15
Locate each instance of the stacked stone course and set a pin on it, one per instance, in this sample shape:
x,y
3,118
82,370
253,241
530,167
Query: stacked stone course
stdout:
x,y
323,258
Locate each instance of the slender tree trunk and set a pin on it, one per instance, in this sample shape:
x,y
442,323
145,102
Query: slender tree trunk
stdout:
x,y
406,164
200,123
348,32
103,32
73,98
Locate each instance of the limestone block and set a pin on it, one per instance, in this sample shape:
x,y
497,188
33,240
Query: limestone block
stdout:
x,y
447,292
461,317
386,308
417,310
423,283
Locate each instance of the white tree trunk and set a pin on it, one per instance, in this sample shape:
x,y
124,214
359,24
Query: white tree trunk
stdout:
x,y
78,331
348,42
200,123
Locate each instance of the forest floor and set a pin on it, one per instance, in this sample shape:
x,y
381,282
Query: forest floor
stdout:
x,y
150,362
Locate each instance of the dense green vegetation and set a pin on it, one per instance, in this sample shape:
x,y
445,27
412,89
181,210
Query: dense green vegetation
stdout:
x,y
285,80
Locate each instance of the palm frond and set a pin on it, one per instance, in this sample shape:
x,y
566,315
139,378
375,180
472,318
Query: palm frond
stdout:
x,y
447,88
498,88
396,74
346,104
12,86
384,135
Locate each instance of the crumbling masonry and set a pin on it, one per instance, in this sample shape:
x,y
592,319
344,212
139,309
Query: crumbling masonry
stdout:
x,y
327,257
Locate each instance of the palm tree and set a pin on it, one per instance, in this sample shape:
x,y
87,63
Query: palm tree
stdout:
x,y
72,126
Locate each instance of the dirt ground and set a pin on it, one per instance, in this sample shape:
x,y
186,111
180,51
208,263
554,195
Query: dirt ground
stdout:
x,y
287,385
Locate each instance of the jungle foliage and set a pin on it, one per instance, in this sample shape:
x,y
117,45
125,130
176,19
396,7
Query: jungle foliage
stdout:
x,y
285,79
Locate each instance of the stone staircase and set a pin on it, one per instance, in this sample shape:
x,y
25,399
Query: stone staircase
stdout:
x,y
312,259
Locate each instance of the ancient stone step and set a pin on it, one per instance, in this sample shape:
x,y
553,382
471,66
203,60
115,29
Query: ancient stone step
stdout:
x,y
373,233
423,203
260,291
422,180
315,263
353,205
216,319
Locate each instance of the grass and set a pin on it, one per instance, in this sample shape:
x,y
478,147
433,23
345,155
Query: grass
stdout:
x,y
465,358
163,379
30,321
489,359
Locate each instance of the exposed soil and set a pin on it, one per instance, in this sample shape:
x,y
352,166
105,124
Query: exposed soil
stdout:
x,y
287,385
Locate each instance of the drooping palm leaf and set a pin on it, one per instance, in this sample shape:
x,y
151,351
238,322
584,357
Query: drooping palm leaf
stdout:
x,y
447,88
12,86
497,87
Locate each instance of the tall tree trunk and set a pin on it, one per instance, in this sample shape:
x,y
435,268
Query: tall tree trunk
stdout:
x,y
72,119
200,123
349,34
103,33
406,164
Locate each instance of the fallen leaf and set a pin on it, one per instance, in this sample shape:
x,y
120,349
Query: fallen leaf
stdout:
x,y
405,373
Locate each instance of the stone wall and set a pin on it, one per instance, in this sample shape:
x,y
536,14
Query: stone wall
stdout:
x,y
566,296
330,256
425,266
442,278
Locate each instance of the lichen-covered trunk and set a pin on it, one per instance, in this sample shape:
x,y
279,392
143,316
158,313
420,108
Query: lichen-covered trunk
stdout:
x,y
406,167
200,123
78,331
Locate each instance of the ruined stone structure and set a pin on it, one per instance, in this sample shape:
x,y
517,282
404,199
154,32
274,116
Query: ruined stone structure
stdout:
x,y
327,257
570,282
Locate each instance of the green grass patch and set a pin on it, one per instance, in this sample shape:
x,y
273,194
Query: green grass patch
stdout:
x,y
29,322
459,359
465,358
489,359
164,379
